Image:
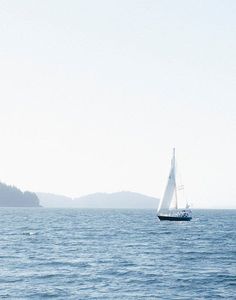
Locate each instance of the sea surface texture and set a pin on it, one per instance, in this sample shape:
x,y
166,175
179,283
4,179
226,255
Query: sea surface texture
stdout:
x,y
116,254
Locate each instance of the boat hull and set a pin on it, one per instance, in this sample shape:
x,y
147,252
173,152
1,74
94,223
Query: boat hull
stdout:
x,y
172,218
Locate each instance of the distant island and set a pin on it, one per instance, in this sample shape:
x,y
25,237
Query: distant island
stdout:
x,y
10,196
100,200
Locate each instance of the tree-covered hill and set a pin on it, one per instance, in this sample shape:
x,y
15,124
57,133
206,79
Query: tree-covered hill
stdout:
x,y
11,196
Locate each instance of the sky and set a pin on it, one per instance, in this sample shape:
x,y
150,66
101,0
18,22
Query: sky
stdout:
x,y
95,94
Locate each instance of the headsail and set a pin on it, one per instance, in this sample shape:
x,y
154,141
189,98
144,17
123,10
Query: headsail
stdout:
x,y
170,188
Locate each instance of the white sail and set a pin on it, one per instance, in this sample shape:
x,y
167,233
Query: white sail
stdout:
x,y
170,188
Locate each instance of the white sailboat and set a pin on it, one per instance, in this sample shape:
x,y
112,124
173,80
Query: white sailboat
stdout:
x,y
168,209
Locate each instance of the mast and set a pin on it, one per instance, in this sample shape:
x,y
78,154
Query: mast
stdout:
x,y
174,167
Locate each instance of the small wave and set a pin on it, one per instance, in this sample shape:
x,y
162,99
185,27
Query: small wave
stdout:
x,y
30,233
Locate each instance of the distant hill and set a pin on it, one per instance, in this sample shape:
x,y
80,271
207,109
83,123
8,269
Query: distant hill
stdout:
x,y
100,200
11,196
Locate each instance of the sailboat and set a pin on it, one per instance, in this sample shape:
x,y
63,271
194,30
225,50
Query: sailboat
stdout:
x,y
168,208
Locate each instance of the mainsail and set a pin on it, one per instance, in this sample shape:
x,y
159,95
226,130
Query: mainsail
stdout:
x,y
170,189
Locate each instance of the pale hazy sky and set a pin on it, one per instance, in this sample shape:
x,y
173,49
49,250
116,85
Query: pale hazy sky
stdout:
x,y
94,95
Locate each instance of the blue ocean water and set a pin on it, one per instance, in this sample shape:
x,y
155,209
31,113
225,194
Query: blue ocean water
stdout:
x,y
116,254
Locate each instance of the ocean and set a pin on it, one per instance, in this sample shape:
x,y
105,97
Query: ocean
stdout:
x,y
116,254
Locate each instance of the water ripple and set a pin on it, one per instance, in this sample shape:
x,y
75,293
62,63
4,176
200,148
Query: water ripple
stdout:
x,y
116,254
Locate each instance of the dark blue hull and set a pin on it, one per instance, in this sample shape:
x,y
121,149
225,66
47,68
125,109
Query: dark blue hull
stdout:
x,y
170,218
